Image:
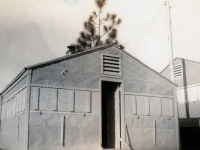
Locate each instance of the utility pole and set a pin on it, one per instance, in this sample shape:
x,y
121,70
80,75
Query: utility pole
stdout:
x,y
171,66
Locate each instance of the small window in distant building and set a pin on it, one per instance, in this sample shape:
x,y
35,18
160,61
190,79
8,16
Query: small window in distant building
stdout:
x,y
111,65
178,71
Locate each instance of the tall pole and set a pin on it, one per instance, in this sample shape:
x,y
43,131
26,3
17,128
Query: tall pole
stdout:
x,y
99,26
171,66
171,54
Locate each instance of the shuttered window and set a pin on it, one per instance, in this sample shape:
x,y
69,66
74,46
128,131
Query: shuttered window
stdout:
x,y
178,71
111,65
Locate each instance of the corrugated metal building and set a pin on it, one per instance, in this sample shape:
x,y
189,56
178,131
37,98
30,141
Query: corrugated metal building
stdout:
x,y
187,78
97,99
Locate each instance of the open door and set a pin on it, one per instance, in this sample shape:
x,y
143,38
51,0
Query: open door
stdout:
x,y
111,115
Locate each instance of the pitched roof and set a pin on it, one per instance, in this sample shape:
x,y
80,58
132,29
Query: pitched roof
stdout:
x,y
76,55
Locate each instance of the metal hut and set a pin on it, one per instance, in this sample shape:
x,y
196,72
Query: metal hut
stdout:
x,y
98,99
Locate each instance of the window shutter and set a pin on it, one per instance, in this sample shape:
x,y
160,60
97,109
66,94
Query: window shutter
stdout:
x,y
111,65
178,71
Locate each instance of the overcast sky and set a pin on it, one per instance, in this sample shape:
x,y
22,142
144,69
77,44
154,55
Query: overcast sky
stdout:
x,y
33,31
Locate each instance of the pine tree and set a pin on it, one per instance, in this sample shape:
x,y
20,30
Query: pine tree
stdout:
x,y
97,30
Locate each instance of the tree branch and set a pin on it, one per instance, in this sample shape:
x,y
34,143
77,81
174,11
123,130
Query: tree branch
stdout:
x,y
108,30
103,22
93,22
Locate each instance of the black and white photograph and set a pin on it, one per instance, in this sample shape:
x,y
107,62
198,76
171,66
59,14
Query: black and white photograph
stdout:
x,y
99,74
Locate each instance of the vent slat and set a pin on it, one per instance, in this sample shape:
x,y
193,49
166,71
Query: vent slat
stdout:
x,y
178,71
110,58
111,72
176,75
111,62
178,66
107,56
111,69
111,65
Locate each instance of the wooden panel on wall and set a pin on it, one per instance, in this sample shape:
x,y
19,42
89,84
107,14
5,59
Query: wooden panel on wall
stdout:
x,y
133,105
17,103
128,103
13,105
55,101
47,96
192,94
172,107
89,102
24,98
81,101
65,98
194,110
95,103
166,107
182,111
72,97
148,107
35,97
142,105
154,106
160,107
180,95
20,101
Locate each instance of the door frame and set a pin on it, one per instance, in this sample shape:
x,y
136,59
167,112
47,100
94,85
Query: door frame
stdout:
x,y
121,82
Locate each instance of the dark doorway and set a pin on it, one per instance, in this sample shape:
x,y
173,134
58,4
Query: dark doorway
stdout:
x,y
110,115
190,138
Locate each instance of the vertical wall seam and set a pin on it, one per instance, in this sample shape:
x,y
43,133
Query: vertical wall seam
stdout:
x,y
154,131
17,137
62,131
27,111
39,92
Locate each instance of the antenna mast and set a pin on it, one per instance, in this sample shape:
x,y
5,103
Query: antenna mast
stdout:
x,y
171,54
171,66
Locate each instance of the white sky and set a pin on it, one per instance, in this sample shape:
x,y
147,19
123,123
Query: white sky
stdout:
x,y
33,31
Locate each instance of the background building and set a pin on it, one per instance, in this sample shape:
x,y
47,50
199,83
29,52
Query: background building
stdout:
x,y
187,77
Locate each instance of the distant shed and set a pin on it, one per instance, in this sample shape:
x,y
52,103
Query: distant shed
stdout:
x,y
97,99
187,78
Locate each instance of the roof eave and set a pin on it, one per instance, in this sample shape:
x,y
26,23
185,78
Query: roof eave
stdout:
x,y
16,78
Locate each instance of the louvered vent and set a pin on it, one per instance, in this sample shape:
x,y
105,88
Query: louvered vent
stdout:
x,y
111,65
178,71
